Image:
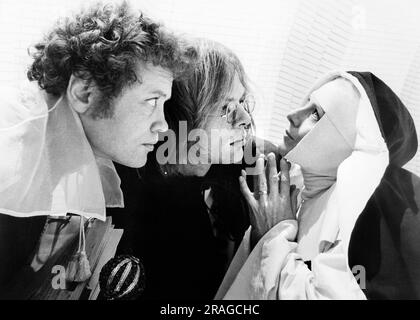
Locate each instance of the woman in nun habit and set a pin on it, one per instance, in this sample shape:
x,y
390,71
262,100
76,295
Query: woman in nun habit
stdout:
x,y
356,231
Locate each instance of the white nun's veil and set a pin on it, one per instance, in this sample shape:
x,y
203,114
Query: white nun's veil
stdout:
x,y
346,147
343,159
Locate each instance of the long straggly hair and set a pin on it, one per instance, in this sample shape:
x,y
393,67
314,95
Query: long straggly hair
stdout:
x,y
204,92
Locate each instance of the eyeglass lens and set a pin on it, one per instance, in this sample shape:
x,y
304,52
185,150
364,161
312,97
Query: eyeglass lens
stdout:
x,y
232,108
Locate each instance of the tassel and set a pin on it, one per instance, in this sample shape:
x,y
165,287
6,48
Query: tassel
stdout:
x,y
78,269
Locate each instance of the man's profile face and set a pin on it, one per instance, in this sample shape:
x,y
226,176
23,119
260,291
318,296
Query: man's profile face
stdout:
x,y
137,118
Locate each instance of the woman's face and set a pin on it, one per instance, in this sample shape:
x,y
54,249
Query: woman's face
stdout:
x,y
301,121
227,134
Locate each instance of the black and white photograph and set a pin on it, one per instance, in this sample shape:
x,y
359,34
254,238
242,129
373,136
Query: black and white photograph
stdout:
x,y
162,150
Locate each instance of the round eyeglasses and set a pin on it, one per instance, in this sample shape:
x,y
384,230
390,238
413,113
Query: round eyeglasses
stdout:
x,y
230,110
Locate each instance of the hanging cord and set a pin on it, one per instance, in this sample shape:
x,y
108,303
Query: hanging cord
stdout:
x,y
82,237
78,269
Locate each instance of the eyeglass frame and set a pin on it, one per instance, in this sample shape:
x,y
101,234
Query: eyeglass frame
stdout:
x,y
235,107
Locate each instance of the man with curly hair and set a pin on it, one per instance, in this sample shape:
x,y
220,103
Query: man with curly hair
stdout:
x,y
104,76
115,70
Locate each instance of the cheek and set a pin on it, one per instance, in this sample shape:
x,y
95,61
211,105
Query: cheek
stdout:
x,y
135,123
216,124
305,128
218,132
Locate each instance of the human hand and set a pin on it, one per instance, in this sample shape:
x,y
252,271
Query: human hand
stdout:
x,y
272,203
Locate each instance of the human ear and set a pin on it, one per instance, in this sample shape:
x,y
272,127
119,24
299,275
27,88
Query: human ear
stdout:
x,y
80,94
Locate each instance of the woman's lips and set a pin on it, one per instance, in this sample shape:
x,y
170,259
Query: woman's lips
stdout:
x,y
149,146
289,135
241,141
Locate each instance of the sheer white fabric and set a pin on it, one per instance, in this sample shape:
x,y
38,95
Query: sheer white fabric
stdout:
x,y
47,165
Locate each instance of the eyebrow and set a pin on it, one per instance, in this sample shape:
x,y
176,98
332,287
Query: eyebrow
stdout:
x,y
161,93
230,99
311,98
315,103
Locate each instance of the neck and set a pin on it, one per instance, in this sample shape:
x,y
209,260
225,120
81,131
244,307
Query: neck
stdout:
x,y
316,183
50,99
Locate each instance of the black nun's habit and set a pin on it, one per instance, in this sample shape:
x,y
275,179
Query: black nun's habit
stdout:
x,y
386,236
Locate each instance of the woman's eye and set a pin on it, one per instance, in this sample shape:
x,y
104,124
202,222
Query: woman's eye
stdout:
x,y
315,115
152,102
223,111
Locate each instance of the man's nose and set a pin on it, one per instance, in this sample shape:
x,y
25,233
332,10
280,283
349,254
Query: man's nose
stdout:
x,y
160,124
243,118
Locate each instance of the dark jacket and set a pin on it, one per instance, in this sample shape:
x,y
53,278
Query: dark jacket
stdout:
x,y
386,237
168,227
18,240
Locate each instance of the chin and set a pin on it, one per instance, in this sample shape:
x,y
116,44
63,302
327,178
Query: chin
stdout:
x,y
134,162
236,155
140,164
283,148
